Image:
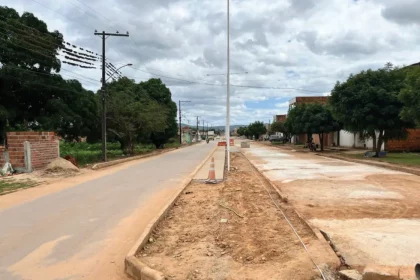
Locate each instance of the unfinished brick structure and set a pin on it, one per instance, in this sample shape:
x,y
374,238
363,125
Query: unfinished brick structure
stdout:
x,y
280,118
412,143
30,150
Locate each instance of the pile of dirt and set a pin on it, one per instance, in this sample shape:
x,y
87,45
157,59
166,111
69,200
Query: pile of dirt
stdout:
x,y
232,231
60,166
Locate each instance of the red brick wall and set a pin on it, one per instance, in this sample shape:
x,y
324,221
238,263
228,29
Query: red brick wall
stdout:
x,y
44,148
2,159
412,143
311,99
280,118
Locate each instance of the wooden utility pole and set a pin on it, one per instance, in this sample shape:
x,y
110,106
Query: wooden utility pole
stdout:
x,y
104,35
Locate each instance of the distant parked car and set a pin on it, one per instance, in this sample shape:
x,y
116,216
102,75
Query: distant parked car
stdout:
x,y
276,138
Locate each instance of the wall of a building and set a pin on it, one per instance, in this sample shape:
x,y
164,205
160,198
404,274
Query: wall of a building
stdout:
x,y
348,139
44,148
412,143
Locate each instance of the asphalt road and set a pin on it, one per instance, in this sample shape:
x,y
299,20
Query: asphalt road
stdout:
x,y
62,235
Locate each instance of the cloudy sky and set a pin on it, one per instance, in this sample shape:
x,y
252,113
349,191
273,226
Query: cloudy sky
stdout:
x,y
288,47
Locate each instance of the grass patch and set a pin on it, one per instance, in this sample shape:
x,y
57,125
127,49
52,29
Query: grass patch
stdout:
x,y
8,185
410,159
86,153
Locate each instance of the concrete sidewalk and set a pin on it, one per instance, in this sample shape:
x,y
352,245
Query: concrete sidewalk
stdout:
x,y
219,165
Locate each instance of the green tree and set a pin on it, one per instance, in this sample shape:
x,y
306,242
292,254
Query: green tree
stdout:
x,y
369,102
293,123
317,119
281,127
256,129
161,94
242,131
132,115
410,95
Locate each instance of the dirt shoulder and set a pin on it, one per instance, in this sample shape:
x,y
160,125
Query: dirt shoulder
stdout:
x,y
42,184
202,239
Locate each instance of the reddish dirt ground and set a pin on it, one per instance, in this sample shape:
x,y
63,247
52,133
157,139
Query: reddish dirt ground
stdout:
x,y
372,214
193,243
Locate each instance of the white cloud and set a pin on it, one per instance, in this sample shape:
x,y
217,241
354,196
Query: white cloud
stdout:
x,y
294,47
282,105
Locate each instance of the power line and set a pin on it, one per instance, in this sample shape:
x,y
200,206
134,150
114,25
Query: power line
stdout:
x,y
66,50
85,79
79,22
31,28
34,51
232,85
41,84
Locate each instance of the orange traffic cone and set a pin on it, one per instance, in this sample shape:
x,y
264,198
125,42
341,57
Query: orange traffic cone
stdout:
x,y
211,179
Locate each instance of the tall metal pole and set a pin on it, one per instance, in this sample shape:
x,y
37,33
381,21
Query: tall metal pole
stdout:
x,y
203,127
180,128
227,129
104,157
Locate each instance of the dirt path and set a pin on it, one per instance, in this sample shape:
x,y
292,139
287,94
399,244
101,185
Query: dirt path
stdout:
x,y
371,214
194,243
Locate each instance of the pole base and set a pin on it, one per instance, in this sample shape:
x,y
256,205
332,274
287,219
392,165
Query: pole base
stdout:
x,y
208,181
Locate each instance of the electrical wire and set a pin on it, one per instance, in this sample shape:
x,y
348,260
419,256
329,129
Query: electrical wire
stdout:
x,y
232,85
85,79
40,84
77,21
40,37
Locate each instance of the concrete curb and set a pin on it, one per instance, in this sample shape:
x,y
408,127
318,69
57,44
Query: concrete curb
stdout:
x,y
133,266
118,161
377,164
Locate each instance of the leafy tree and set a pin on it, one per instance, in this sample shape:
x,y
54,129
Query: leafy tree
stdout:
x,y
160,93
256,129
317,119
369,102
281,127
132,115
242,131
410,95
293,122
27,54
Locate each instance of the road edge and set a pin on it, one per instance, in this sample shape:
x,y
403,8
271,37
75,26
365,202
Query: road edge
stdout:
x,y
133,267
101,165
394,167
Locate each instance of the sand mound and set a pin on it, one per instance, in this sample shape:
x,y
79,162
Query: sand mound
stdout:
x,y
60,165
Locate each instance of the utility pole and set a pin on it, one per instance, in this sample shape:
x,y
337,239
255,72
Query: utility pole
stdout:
x,y
197,132
207,130
180,118
104,35
203,127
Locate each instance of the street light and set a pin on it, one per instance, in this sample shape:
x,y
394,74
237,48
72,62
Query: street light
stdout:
x,y
112,74
180,118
